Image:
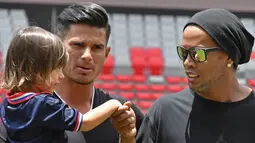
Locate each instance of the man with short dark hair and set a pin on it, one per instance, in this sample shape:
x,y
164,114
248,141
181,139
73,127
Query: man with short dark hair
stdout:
x,y
84,30
215,108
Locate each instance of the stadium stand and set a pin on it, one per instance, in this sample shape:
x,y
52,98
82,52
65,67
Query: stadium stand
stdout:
x,y
143,64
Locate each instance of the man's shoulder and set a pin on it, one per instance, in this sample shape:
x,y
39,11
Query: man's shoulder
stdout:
x,y
168,102
184,96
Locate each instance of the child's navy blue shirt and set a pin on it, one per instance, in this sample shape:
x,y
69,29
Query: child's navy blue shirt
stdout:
x,y
38,118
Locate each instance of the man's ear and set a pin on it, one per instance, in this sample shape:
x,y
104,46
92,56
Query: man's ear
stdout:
x,y
107,51
230,61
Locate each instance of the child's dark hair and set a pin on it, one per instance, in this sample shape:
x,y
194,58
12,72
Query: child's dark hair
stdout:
x,y
32,55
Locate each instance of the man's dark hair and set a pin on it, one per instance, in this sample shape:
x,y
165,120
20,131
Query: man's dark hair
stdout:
x,y
87,13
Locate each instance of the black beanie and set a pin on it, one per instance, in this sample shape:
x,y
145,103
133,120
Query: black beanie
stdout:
x,y
227,31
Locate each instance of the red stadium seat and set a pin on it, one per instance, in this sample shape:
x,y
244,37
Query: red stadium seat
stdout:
x,y
106,77
253,55
158,87
174,88
155,61
145,104
97,85
185,80
137,52
174,79
141,87
154,52
144,96
108,86
157,95
111,92
124,78
139,78
186,86
128,95
138,66
108,65
2,91
156,65
251,82
138,60
125,86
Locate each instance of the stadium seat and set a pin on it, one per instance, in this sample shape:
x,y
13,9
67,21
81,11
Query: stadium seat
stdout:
x,y
158,87
158,79
138,60
157,95
139,78
185,86
18,13
122,65
111,92
108,86
174,79
144,96
253,55
97,85
124,78
185,80
108,65
251,82
106,77
137,52
145,104
154,52
139,65
174,88
125,86
141,87
4,13
156,65
136,30
128,95
242,81
155,61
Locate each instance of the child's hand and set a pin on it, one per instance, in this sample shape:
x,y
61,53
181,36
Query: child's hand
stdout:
x,y
122,108
116,103
124,121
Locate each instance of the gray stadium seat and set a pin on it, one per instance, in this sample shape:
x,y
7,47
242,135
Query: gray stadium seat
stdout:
x,y
4,13
136,30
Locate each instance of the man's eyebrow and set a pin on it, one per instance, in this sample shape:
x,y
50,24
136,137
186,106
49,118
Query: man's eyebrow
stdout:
x,y
99,44
76,41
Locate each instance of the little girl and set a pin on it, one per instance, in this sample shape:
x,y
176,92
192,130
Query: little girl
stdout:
x,y
31,112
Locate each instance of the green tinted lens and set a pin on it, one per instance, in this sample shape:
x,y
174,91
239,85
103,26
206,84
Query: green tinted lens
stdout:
x,y
180,52
200,55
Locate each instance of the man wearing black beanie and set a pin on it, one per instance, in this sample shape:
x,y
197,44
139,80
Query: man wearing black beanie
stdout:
x,y
215,108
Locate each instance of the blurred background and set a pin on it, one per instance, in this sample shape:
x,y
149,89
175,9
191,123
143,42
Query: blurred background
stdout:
x,y
143,64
